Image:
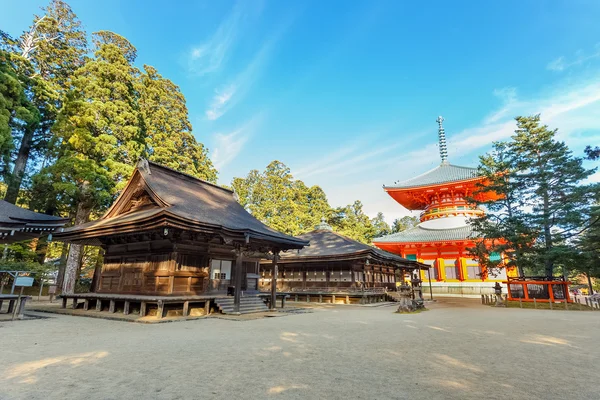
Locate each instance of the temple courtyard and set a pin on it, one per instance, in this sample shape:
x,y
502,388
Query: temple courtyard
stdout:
x,y
458,349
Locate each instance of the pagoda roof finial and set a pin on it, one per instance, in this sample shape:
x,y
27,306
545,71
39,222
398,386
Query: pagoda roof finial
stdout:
x,y
323,226
442,140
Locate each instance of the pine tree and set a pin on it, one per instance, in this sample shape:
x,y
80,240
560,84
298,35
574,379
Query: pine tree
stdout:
x,y
542,205
504,229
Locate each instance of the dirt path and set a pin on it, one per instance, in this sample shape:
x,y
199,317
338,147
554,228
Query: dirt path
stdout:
x,y
457,350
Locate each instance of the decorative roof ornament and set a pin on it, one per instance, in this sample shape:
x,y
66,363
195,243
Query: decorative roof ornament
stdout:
x,y
442,139
323,226
144,166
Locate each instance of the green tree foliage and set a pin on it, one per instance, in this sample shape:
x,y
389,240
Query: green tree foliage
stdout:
x,y
381,227
504,228
48,54
167,129
280,201
98,135
404,223
288,205
17,112
91,117
544,203
351,221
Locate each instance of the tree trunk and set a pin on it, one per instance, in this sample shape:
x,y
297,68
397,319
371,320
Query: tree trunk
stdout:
x,y
548,262
589,279
61,266
75,252
16,178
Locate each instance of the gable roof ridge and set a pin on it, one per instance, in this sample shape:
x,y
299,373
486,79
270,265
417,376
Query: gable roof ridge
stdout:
x,y
189,176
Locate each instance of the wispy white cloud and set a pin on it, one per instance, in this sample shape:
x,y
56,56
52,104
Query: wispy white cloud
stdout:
x,y
208,56
508,97
561,63
227,145
228,95
220,102
360,172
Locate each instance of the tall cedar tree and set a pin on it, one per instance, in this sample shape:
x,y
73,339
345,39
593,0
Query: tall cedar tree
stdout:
x,y
17,112
544,204
50,51
167,129
98,135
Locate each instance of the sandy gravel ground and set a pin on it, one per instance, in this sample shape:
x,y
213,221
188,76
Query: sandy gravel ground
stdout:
x,y
457,350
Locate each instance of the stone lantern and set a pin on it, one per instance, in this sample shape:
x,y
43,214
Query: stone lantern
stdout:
x,y
498,293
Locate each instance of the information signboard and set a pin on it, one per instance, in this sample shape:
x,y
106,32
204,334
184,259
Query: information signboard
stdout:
x,y
24,281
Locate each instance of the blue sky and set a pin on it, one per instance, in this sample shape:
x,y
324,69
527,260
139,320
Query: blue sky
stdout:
x,y
346,93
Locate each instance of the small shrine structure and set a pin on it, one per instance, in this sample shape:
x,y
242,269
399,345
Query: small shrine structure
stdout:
x,y
335,268
442,237
18,224
171,239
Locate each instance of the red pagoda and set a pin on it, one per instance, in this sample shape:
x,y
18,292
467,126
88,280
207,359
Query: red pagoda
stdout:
x,y
443,236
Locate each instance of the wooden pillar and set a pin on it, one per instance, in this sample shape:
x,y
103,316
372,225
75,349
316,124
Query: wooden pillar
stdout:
x,y
64,302
111,307
86,304
186,308
207,307
126,308
74,303
237,293
98,305
161,309
143,309
274,279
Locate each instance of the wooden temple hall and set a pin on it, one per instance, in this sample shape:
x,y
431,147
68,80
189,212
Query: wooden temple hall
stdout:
x,y
175,243
337,269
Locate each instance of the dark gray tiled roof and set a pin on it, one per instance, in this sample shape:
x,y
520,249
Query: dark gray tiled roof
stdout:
x,y
18,224
327,244
197,201
15,214
420,234
440,174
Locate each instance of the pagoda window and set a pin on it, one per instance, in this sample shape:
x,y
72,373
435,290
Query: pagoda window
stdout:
x,y
473,272
451,272
432,273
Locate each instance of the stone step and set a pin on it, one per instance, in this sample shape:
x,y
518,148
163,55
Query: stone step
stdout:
x,y
247,305
242,300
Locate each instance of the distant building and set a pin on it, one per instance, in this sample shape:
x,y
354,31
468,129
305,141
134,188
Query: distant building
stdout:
x,y
335,268
443,236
